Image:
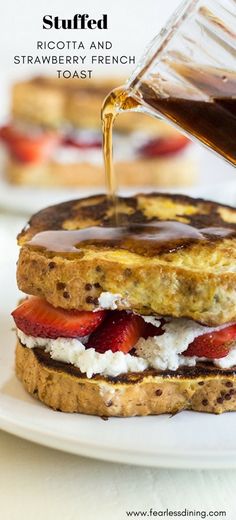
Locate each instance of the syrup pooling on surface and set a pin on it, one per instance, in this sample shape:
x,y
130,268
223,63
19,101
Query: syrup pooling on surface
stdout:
x,y
145,239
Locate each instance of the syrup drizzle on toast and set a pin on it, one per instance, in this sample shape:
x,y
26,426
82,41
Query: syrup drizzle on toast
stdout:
x,y
143,239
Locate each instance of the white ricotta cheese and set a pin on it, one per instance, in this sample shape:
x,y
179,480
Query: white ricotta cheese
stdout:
x,y
160,352
154,320
164,352
108,300
228,361
89,361
126,148
65,154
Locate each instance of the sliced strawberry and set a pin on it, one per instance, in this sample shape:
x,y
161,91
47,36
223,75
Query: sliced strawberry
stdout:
x,y
151,330
119,332
164,146
82,144
213,345
28,148
36,317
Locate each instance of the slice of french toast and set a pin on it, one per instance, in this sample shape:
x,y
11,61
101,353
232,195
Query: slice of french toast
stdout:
x,y
50,103
62,386
167,171
193,278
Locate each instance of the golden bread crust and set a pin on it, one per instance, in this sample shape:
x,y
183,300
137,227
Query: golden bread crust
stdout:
x,y
52,102
198,281
178,170
63,387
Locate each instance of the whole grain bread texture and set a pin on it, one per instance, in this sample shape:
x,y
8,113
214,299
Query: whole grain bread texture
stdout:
x,y
197,281
203,388
50,103
175,170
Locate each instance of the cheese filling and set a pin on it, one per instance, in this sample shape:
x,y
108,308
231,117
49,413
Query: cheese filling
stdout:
x,y
163,352
126,148
89,362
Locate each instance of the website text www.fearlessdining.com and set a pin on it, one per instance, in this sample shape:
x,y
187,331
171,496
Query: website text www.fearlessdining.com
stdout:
x,y
185,513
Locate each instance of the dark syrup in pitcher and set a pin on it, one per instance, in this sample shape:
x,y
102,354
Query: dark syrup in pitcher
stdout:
x,y
211,117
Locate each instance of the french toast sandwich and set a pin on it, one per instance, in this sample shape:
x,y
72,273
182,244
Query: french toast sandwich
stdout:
x,y
53,138
131,319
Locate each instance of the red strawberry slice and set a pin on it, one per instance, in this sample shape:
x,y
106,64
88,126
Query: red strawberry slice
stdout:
x,y
28,148
151,330
81,143
36,317
119,332
164,146
213,345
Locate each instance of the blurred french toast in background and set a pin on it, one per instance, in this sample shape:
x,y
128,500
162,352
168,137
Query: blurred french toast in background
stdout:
x,y
54,138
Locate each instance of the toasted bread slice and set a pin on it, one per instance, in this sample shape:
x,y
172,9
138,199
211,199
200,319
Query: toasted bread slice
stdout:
x,y
52,102
196,281
203,388
176,170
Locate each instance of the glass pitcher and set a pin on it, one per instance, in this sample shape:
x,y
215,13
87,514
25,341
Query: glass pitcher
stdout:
x,y
188,74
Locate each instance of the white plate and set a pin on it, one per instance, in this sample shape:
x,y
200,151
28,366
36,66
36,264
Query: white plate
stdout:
x,y
187,440
30,200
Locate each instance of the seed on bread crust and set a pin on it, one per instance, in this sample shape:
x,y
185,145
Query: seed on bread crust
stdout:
x,y
90,299
61,286
52,265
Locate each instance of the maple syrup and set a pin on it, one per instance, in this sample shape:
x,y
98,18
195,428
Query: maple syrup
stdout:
x,y
204,106
117,101
144,239
212,121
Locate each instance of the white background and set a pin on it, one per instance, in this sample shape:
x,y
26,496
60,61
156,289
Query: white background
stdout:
x,y
36,482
